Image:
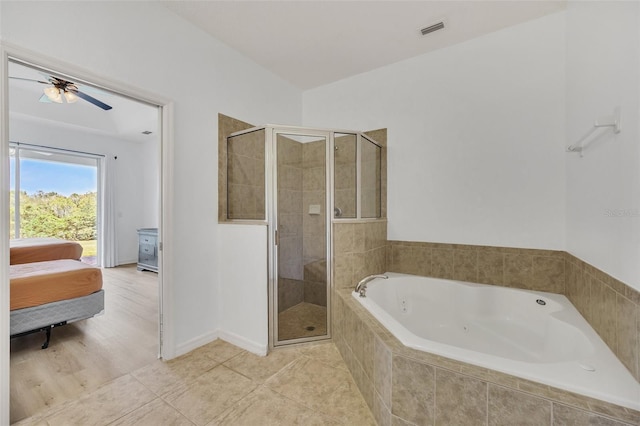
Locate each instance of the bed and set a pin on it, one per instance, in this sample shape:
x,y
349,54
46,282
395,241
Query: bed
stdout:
x,y
52,293
29,250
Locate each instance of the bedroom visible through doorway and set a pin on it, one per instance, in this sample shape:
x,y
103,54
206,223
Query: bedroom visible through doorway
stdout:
x,y
115,138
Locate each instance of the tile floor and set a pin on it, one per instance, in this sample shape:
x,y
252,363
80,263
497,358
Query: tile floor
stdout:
x,y
221,384
302,320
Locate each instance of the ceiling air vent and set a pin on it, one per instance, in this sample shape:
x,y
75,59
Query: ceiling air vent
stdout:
x,y
431,28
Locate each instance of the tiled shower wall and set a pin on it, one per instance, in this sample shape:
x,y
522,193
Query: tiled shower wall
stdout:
x,y
302,260
380,136
371,179
314,244
345,175
359,246
226,126
290,263
245,177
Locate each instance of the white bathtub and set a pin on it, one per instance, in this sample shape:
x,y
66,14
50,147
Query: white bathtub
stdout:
x,y
534,335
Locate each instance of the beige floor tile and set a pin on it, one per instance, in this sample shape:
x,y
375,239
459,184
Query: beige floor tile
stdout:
x,y
162,377
104,405
322,388
325,352
307,381
157,412
265,407
220,350
261,368
347,404
303,385
210,395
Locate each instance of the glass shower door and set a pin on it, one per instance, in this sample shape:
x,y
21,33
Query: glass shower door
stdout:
x,y
302,250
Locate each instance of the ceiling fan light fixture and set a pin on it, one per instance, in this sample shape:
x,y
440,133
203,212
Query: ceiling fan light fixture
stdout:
x,y
70,97
53,93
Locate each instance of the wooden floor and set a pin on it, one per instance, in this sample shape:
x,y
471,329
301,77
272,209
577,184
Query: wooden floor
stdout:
x,y
87,354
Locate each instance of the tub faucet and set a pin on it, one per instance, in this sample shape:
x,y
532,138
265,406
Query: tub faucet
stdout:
x,y
361,288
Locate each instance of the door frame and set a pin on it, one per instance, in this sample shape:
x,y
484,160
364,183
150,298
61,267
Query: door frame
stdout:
x,y
166,335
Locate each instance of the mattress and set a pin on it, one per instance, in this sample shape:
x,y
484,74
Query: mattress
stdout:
x,y
37,317
33,284
28,250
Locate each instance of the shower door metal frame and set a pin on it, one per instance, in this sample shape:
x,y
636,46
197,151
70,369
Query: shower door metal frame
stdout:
x,y
271,160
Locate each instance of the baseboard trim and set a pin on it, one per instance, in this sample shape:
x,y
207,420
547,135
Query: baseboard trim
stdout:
x,y
243,343
234,339
195,343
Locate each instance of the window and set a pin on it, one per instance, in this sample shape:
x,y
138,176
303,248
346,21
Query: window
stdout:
x,y
54,193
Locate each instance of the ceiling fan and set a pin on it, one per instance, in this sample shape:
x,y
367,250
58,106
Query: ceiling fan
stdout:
x,y
60,90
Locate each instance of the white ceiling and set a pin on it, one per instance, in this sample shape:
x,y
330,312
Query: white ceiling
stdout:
x,y
126,121
308,43
312,43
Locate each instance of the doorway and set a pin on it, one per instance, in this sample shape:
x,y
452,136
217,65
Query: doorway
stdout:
x,y
162,113
302,253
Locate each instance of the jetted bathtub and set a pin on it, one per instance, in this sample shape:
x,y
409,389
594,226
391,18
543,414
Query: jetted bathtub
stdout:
x,y
534,335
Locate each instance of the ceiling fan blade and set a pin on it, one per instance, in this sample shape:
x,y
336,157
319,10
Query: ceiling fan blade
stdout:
x,y
30,79
45,99
92,100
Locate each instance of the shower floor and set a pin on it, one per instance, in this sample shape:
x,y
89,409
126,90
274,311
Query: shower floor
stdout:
x,y
296,321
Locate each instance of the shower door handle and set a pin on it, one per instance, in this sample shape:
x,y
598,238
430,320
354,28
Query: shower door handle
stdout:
x,y
277,238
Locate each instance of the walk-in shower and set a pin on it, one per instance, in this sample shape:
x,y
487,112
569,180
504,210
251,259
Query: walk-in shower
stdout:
x,y
299,181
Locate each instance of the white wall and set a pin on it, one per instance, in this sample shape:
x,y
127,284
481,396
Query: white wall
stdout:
x,y
146,46
603,187
243,301
476,136
151,183
135,175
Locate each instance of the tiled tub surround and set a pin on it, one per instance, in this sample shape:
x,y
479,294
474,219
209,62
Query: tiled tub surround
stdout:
x,y
611,307
403,386
529,269
502,329
359,249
